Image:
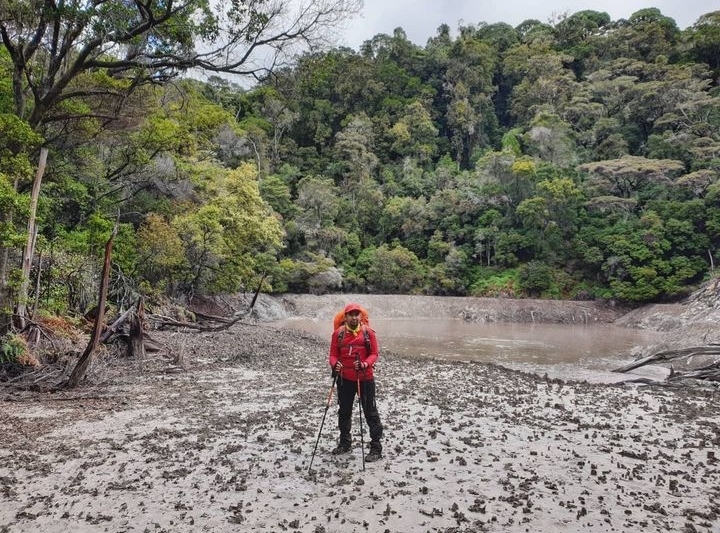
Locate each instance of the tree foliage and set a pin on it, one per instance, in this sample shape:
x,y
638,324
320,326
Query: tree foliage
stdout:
x,y
577,158
81,76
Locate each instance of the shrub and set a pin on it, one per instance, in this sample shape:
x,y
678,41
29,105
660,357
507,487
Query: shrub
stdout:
x,y
14,351
493,283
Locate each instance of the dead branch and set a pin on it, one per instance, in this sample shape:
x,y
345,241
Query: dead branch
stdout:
x,y
225,323
710,372
33,331
115,326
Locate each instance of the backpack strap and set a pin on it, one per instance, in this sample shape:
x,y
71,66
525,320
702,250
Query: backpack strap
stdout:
x,y
367,339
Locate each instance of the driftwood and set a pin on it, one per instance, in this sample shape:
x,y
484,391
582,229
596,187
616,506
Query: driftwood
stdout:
x,y
669,355
205,317
710,372
139,341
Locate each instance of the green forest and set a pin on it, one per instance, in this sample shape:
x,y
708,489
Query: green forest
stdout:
x,y
572,159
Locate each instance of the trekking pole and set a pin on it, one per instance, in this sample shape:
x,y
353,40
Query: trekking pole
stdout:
x,y
327,406
360,413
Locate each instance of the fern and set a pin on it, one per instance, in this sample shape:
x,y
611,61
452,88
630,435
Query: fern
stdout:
x,y
7,354
11,348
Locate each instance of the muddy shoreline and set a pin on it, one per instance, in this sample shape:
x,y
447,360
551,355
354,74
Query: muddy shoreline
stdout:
x,y
223,443
467,308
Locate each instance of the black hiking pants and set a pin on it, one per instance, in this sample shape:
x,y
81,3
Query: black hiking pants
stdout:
x,y
347,390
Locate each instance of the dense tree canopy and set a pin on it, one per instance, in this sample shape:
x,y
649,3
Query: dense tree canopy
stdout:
x,y
573,159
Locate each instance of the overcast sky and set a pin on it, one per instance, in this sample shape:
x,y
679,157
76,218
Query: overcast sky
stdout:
x,y
421,18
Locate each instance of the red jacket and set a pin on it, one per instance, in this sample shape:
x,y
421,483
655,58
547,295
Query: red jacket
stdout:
x,y
349,348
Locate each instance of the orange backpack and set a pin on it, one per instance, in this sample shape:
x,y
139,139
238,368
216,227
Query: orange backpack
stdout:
x,y
339,319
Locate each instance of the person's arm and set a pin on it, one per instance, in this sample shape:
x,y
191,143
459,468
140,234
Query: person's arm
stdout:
x,y
374,354
333,358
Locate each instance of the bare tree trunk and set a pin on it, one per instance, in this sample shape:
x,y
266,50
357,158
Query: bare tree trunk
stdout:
x,y
82,365
30,245
6,300
137,331
36,299
5,307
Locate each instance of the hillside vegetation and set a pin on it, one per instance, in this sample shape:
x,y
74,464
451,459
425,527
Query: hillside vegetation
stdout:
x,y
573,159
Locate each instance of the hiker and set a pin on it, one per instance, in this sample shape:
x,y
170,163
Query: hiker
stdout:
x,y
353,353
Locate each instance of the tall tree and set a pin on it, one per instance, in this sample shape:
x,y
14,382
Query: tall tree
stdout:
x,y
646,35
470,118
705,38
415,134
628,176
131,44
226,237
76,63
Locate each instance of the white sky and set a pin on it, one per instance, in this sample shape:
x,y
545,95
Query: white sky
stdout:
x,y
421,18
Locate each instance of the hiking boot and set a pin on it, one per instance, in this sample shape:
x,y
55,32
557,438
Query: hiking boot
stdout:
x,y
373,455
341,448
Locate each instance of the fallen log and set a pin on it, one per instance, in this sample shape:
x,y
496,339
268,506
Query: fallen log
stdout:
x,y
669,355
160,320
210,318
225,324
216,323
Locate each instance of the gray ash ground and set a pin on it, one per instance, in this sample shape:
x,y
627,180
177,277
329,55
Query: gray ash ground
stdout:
x,y
224,445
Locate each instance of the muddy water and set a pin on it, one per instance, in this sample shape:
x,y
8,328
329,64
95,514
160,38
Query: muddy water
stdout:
x,y
577,352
